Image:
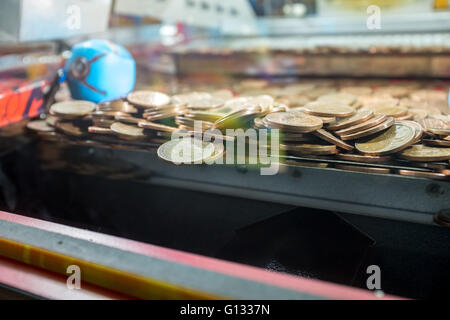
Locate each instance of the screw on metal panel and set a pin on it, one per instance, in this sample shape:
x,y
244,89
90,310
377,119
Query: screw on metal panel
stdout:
x,y
443,218
434,190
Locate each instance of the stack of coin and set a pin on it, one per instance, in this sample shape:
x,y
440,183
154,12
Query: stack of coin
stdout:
x,y
73,117
157,114
437,132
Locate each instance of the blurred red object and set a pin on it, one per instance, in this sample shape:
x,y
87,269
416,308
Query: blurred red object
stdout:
x,y
21,99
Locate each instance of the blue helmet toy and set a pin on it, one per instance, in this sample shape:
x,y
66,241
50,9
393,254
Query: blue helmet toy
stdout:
x,y
100,71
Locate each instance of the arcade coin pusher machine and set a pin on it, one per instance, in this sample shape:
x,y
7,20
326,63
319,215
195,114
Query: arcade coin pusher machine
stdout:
x,y
139,227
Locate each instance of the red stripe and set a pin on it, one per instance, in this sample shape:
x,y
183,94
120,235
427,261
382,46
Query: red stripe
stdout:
x,y
47,284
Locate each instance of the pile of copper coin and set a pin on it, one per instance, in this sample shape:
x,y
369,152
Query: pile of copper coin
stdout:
x,y
400,128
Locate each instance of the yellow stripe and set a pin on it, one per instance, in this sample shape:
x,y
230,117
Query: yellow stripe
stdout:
x,y
26,254
110,278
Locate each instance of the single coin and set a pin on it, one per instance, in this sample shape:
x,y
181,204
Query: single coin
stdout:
x,y
127,130
327,136
368,132
396,138
363,169
100,130
364,158
372,122
70,129
156,126
328,109
186,150
293,121
72,109
407,116
40,125
127,119
357,118
423,153
437,143
148,99
427,175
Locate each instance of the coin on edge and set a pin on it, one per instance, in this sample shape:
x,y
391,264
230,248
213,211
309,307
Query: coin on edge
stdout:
x,y
328,109
372,122
72,109
422,153
396,138
100,130
357,118
294,121
186,150
363,158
